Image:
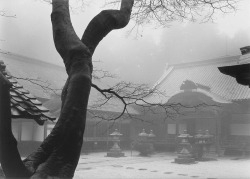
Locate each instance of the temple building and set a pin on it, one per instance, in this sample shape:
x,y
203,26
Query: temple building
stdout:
x,y
27,113
203,99
209,101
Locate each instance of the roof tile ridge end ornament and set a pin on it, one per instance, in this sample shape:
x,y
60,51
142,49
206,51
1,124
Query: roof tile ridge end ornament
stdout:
x,y
166,73
4,80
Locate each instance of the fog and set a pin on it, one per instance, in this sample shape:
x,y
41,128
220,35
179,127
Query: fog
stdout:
x,y
205,121
139,58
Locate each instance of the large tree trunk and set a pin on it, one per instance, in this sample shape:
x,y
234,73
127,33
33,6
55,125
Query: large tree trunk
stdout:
x,y
58,155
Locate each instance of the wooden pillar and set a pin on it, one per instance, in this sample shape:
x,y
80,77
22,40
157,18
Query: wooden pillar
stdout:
x,y
107,139
217,132
177,126
94,135
191,124
120,126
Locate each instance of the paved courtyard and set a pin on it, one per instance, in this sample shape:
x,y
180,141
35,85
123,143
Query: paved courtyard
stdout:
x,y
159,166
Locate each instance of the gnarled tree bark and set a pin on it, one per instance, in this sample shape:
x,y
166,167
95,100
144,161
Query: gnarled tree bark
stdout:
x,y
58,155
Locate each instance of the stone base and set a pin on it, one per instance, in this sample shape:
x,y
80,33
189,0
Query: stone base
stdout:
x,y
115,154
184,160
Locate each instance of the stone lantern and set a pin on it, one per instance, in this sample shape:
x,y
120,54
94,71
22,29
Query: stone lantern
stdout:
x,y
199,137
208,138
151,134
144,144
208,141
184,150
143,135
115,151
198,145
202,144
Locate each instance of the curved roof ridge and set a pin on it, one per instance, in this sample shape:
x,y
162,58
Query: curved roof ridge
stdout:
x,y
206,74
222,59
165,74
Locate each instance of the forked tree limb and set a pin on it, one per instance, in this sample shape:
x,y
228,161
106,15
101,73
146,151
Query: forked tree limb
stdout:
x,y
66,41
106,21
58,155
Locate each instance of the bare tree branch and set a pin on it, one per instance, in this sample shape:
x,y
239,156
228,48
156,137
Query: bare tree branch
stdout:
x,y
163,12
99,74
45,85
138,96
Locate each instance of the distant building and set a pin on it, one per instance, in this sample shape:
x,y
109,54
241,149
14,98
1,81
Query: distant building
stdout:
x,y
226,116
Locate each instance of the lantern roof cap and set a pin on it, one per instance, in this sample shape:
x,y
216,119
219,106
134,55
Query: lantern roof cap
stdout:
x,y
143,133
116,133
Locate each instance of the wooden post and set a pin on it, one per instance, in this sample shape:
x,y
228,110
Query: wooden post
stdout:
x,y
219,136
217,133
177,127
107,139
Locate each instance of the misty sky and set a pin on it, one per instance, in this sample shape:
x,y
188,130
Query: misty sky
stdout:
x,y
139,60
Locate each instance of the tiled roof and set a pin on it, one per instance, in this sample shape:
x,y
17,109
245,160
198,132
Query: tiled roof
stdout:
x,y
204,73
23,103
25,67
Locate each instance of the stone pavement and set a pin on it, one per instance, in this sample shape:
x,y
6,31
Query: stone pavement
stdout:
x,y
159,166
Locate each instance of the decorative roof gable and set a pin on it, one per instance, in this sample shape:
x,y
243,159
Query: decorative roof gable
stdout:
x,y
204,75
